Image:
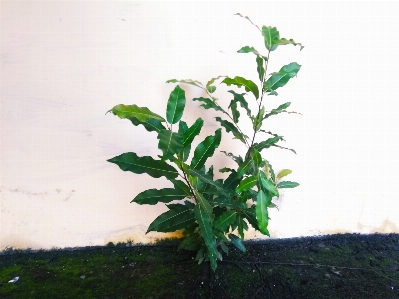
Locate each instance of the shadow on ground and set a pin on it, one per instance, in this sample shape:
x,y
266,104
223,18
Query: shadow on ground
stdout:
x,y
336,266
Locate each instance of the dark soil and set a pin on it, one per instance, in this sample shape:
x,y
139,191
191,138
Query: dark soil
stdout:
x,y
337,266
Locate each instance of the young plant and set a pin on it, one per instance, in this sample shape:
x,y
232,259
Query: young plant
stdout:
x,y
212,212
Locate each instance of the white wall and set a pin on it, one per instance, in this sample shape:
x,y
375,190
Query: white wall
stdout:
x,y
64,64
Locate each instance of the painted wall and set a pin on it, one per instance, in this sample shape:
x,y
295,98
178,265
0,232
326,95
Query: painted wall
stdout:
x,y
64,64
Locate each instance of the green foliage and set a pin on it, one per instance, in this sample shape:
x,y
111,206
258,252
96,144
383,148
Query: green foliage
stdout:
x,y
214,210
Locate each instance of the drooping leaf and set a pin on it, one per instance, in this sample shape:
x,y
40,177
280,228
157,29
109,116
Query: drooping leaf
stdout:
x,y
183,187
271,36
204,204
142,114
267,143
210,82
241,225
187,81
236,241
282,147
193,131
150,124
246,17
240,81
260,68
284,173
237,159
234,111
169,143
247,184
155,168
267,185
248,49
278,110
240,99
230,127
153,196
176,104
287,184
281,78
205,225
208,103
225,220
205,149
262,215
250,215
206,178
176,218
284,41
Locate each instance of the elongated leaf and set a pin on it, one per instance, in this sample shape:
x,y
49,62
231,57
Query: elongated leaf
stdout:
x,y
181,186
282,147
267,143
284,41
225,169
232,181
281,78
150,124
191,242
269,171
237,159
204,204
250,215
170,143
247,184
244,167
211,89
240,81
205,225
183,155
227,202
262,202
182,127
240,99
284,173
153,196
133,111
287,184
271,36
246,17
230,127
177,218
268,185
176,104
248,49
206,178
187,81
260,68
234,111
208,103
155,168
236,241
278,110
193,131
206,149
225,220
210,82
257,159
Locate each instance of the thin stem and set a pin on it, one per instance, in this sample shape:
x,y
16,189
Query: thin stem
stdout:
x,y
188,183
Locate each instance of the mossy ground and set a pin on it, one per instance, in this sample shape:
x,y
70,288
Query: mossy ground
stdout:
x,y
338,266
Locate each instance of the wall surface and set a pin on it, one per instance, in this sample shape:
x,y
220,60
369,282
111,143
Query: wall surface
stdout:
x,y
64,64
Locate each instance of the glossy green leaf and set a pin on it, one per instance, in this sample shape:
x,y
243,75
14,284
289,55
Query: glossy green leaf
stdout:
x,y
227,202
225,169
260,68
240,99
153,196
257,159
262,214
284,173
187,81
205,225
193,131
206,178
182,127
183,187
281,78
208,104
237,159
169,143
191,242
278,110
240,226
150,124
247,184
248,49
237,242
225,220
267,143
250,215
210,82
271,36
240,81
268,185
232,181
206,149
269,171
245,167
142,114
155,168
230,127
176,104
284,41
177,218
204,204
287,184
234,111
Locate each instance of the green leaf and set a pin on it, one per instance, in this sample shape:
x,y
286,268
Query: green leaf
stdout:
x,y
176,104
150,124
281,78
231,128
176,218
234,111
182,127
210,89
247,184
142,114
187,81
284,41
232,181
191,242
179,185
278,110
206,149
170,143
155,168
240,98
206,178
193,131
267,143
248,49
250,215
262,202
260,68
241,225
214,79
204,204
284,173
257,159
271,36
269,171
237,159
236,241
224,221
225,169
287,184
268,185
227,202
205,225
208,103
240,81
244,167
153,196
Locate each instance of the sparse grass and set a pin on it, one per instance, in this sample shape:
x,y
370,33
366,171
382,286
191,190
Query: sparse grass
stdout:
x,y
339,266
